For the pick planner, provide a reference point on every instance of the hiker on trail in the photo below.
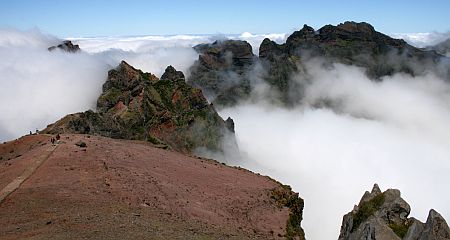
(52, 140)
(57, 137)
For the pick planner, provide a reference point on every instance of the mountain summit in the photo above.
(137, 105)
(384, 215)
(227, 70)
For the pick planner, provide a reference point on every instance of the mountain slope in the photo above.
(122, 189)
(227, 79)
(138, 105)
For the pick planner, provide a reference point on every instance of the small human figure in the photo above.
(31, 133)
(52, 141)
(58, 137)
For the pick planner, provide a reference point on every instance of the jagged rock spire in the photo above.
(384, 215)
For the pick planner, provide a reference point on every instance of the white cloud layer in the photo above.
(394, 133)
(39, 87)
(422, 39)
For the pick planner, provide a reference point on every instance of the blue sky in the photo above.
(140, 17)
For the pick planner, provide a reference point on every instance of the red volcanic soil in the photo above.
(121, 189)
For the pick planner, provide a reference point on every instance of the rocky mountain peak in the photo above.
(355, 27)
(138, 105)
(269, 48)
(223, 68)
(172, 74)
(384, 215)
(219, 62)
(66, 46)
(123, 76)
(225, 53)
(303, 35)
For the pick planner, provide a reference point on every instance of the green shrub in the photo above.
(400, 229)
(366, 210)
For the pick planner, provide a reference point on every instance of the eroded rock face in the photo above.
(138, 105)
(222, 71)
(66, 46)
(384, 215)
(225, 69)
(358, 44)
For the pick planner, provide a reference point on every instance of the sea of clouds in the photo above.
(394, 133)
(424, 39)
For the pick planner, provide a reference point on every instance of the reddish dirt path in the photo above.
(118, 189)
(29, 170)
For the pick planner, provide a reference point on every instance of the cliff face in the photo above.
(355, 44)
(349, 43)
(222, 71)
(138, 105)
(384, 215)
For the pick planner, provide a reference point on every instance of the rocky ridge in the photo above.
(359, 44)
(137, 105)
(384, 215)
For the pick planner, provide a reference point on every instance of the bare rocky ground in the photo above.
(122, 189)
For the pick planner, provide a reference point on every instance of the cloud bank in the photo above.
(394, 133)
(422, 39)
(38, 87)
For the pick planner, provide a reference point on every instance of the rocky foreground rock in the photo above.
(139, 106)
(384, 215)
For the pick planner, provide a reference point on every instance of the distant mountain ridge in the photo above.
(350, 43)
(442, 47)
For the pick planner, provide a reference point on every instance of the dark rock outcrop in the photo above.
(384, 215)
(172, 74)
(221, 71)
(358, 44)
(66, 46)
(138, 105)
(225, 69)
(229, 123)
